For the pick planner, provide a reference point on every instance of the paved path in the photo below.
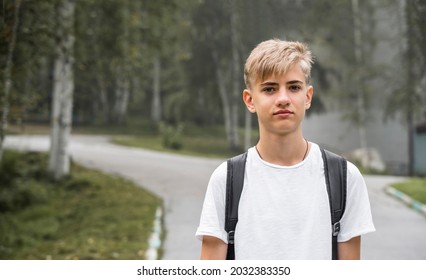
(181, 181)
(400, 231)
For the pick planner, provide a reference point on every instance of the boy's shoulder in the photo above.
(219, 174)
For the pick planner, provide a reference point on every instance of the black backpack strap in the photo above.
(234, 188)
(335, 170)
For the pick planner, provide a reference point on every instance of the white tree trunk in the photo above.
(224, 97)
(63, 88)
(103, 99)
(236, 78)
(100, 78)
(156, 112)
(122, 87)
(122, 93)
(8, 77)
(358, 58)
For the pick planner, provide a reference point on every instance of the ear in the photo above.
(309, 95)
(248, 100)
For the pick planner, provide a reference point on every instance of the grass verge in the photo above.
(88, 215)
(414, 188)
(204, 141)
(193, 146)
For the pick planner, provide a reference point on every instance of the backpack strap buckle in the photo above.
(231, 235)
(336, 229)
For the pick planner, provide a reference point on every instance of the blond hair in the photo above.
(276, 57)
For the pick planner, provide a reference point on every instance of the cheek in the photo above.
(261, 105)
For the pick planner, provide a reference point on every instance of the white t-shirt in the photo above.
(284, 211)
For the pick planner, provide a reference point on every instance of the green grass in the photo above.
(194, 146)
(88, 215)
(415, 188)
(203, 141)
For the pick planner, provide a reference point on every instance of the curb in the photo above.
(414, 204)
(155, 238)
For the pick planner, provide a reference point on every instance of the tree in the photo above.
(408, 99)
(217, 33)
(123, 65)
(156, 107)
(63, 90)
(167, 42)
(345, 61)
(7, 79)
(360, 112)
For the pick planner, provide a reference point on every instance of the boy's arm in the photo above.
(213, 248)
(350, 250)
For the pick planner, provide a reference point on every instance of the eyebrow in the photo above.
(292, 82)
(268, 84)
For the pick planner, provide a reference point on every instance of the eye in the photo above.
(268, 89)
(295, 88)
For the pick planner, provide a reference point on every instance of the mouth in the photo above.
(283, 113)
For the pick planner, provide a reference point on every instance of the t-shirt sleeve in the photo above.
(212, 221)
(357, 219)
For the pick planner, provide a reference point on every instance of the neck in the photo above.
(283, 150)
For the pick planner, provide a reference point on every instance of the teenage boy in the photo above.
(284, 210)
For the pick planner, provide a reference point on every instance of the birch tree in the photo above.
(236, 74)
(156, 107)
(99, 65)
(217, 24)
(7, 79)
(63, 89)
(409, 99)
(122, 94)
(124, 63)
(360, 99)
(349, 42)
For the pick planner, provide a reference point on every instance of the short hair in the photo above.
(276, 57)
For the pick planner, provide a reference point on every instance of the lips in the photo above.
(283, 113)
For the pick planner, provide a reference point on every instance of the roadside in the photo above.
(87, 215)
(181, 182)
(407, 199)
(400, 231)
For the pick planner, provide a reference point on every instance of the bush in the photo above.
(19, 187)
(21, 195)
(171, 136)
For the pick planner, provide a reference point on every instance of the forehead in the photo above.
(294, 73)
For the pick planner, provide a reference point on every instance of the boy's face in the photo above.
(280, 101)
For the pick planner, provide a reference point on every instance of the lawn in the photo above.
(88, 215)
(205, 141)
(415, 188)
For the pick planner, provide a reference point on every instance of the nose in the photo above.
(283, 97)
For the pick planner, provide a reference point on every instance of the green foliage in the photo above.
(33, 50)
(116, 41)
(18, 181)
(204, 141)
(88, 215)
(408, 95)
(171, 136)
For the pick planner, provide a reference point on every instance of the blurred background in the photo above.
(167, 75)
